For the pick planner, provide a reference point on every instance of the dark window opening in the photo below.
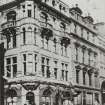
(29, 13)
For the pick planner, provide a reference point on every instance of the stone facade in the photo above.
(51, 54)
(101, 38)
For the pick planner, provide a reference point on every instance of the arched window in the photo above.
(30, 98)
(24, 36)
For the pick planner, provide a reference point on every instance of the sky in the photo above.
(95, 8)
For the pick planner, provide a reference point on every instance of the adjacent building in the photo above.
(51, 54)
(101, 38)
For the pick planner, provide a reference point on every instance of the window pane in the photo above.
(8, 61)
(24, 57)
(14, 59)
(14, 70)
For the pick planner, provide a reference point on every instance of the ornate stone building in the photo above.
(51, 53)
(101, 41)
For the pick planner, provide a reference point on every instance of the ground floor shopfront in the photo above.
(87, 96)
(44, 92)
(38, 93)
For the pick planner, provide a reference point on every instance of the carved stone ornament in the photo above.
(30, 86)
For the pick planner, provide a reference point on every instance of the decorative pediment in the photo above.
(30, 86)
(9, 31)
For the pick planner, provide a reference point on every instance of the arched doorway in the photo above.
(103, 92)
(11, 97)
(30, 98)
(47, 98)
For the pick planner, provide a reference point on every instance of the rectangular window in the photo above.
(8, 67)
(29, 13)
(66, 75)
(75, 28)
(8, 41)
(55, 69)
(24, 63)
(90, 79)
(84, 79)
(83, 53)
(89, 58)
(24, 36)
(11, 67)
(77, 76)
(87, 35)
(81, 32)
(14, 41)
(14, 66)
(35, 62)
(76, 53)
(45, 67)
(64, 72)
